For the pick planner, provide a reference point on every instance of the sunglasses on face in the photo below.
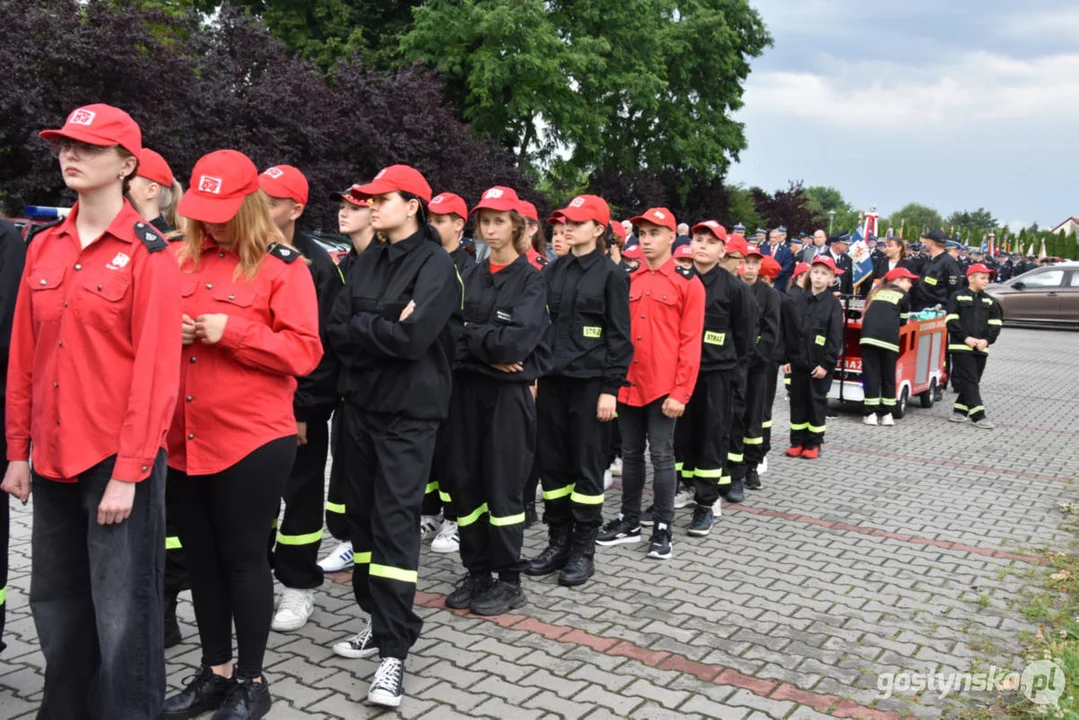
(76, 147)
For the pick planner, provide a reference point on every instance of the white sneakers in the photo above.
(869, 419)
(430, 525)
(294, 610)
(340, 558)
(357, 646)
(762, 466)
(616, 467)
(448, 540)
(887, 420)
(684, 497)
(608, 479)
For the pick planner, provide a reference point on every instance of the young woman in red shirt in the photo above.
(250, 328)
(92, 381)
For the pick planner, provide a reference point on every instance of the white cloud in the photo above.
(975, 88)
(1049, 25)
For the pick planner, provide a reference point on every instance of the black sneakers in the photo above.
(753, 479)
(498, 599)
(618, 532)
(661, 542)
(247, 700)
(388, 687)
(467, 589)
(646, 516)
(203, 693)
(703, 517)
(735, 492)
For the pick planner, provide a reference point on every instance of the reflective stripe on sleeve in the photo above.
(960, 348)
(994, 321)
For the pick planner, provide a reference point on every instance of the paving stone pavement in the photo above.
(889, 554)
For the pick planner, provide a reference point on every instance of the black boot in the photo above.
(247, 700)
(205, 692)
(581, 564)
(555, 555)
(173, 637)
(531, 518)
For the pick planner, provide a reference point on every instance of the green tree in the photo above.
(742, 209)
(916, 219)
(597, 85)
(824, 200)
(980, 219)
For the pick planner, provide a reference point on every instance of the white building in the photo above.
(1071, 225)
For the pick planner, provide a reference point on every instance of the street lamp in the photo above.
(831, 217)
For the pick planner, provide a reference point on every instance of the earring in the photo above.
(411, 216)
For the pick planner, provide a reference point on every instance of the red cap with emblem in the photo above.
(587, 207)
(978, 268)
(633, 252)
(899, 272)
(154, 168)
(752, 250)
(449, 204)
(683, 252)
(736, 245)
(828, 263)
(102, 125)
(557, 218)
(284, 181)
(660, 216)
(711, 226)
(499, 199)
(219, 184)
(395, 178)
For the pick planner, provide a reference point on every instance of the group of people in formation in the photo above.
(173, 387)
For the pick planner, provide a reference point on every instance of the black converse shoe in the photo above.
(388, 687)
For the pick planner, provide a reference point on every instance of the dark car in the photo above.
(1045, 296)
(336, 245)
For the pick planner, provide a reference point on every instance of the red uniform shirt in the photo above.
(236, 395)
(94, 348)
(666, 309)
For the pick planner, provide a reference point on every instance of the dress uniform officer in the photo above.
(294, 556)
(93, 372)
(588, 297)
(390, 328)
(759, 370)
(491, 434)
(813, 334)
(250, 327)
(974, 322)
(885, 312)
(837, 250)
(12, 262)
(667, 319)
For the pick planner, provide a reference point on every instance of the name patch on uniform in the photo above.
(930, 280)
(503, 316)
(593, 332)
(820, 340)
(714, 338)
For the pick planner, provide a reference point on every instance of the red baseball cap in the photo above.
(557, 218)
(713, 227)
(771, 268)
(736, 244)
(528, 210)
(899, 272)
(395, 178)
(618, 230)
(449, 204)
(284, 181)
(219, 184)
(154, 168)
(660, 216)
(828, 263)
(684, 251)
(978, 268)
(633, 252)
(348, 197)
(587, 207)
(798, 269)
(499, 199)
(102, 125)
(751, 249)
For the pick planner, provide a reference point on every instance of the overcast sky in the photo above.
(955, 104)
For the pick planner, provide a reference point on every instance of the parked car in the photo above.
(1045, 296)
(333, 243)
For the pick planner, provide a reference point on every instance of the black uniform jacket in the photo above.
(886, 313)
(940, 278)
(506, 322)
(391, 365)
(730, 321)
(588, 298)
(762, 352)
(975, 315)
(813, 330)
(316, 394)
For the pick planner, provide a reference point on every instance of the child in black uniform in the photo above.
(886, 311)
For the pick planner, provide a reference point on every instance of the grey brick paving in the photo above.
(825, 610)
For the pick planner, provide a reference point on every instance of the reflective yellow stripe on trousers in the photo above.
(586, 499)
(558, 492)
(393, 573)
(472, 517)
(173, 543)
(508, 520)
(3, 595)
(306, 539)
(338, 508)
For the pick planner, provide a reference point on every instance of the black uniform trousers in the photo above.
(5, 532)
(436, 497)
(336, 522)
(734, 466)
(878, 379)
(490, 449)
(387, 460)
(809, 408)
(702, 433)
(295, 556)
(177, 574)
(756, 397)
(968, 368)
(769, 401)
(571, 448)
